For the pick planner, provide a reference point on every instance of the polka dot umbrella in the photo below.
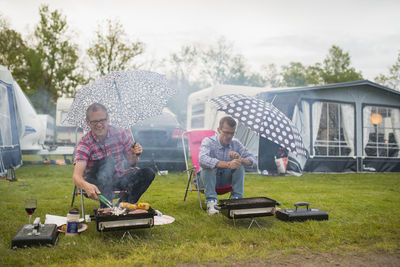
(129, 96)
(262, 118)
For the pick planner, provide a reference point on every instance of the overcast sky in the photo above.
(263, 31)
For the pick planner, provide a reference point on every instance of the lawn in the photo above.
(363, 208)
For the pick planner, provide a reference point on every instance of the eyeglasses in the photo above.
(95, 122)
(228, 133)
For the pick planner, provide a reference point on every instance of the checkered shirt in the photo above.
(116, 145)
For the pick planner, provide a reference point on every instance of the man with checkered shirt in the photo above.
(101, 157)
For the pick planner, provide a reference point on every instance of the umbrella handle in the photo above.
(134, 142)
(133, 138)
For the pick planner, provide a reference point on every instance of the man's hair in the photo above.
(94, 108)
(229, 120)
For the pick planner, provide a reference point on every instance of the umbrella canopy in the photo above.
(262, 118)
(129, 96)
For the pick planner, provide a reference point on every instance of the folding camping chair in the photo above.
(194, 138)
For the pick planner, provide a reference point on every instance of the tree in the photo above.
(392, 80)
(183, 74)
(195, 67)
(239, 75)
(336, 67)
(112, 50)
(294, 74)
(216, 62)
(271, 76)
(13, 53)
(58, 60)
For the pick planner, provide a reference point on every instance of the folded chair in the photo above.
(194, 138)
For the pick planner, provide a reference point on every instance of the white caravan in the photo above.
(49, 124)
(30, 126)
(66, 134)
(202, 114)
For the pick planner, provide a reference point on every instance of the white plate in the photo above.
(82, 227)
(164, 219)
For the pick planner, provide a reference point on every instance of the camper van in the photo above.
(10, 150)
(48, 123)
(30, 127)
(202, 114)
(66, 134)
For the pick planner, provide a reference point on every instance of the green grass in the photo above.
(363, 208)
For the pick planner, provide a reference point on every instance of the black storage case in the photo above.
(124, 222)
(48, 236)
(248, 207)
(301, 214)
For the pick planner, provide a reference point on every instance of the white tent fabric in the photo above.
(367, 126)
(348, 125)
(396, 126)
(316, 118)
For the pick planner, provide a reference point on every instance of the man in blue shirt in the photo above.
(221, 160)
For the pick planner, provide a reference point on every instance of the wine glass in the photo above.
(30, 207)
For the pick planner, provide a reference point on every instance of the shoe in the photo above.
(211, 210)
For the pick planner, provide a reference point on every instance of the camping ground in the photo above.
(363, 228)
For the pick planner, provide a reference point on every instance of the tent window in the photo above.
(335, 136)
(381, 131)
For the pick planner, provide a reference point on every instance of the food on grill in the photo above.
(138, 211)
(112, 211)
(129, 206)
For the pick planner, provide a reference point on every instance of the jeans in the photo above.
(221, 177)
(135, 183)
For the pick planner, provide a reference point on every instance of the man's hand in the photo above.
(234, 164)
(234, 155)
(92, 191)
(136, 149)
(246, 162)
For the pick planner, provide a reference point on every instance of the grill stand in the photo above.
(126, 233)
(253, 220)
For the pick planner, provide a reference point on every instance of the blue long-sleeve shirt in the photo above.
(211, 151)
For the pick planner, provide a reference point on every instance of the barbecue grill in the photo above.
(248, 208)
(110, 222)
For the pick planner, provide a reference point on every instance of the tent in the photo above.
(10, 150)
(346, 127)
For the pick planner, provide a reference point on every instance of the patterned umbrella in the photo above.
(262, 118)
(129, 96)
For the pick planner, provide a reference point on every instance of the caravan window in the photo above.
(197, 120)
(63, 115)
(381, 131)
(334, 135)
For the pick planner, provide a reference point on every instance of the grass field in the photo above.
(363, 208)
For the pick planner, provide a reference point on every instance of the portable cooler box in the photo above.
(46, 235)
(301, 214)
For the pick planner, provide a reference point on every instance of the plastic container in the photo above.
(72, 222)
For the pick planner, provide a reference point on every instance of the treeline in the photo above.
(49, 64)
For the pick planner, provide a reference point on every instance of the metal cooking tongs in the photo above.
(103, 199)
